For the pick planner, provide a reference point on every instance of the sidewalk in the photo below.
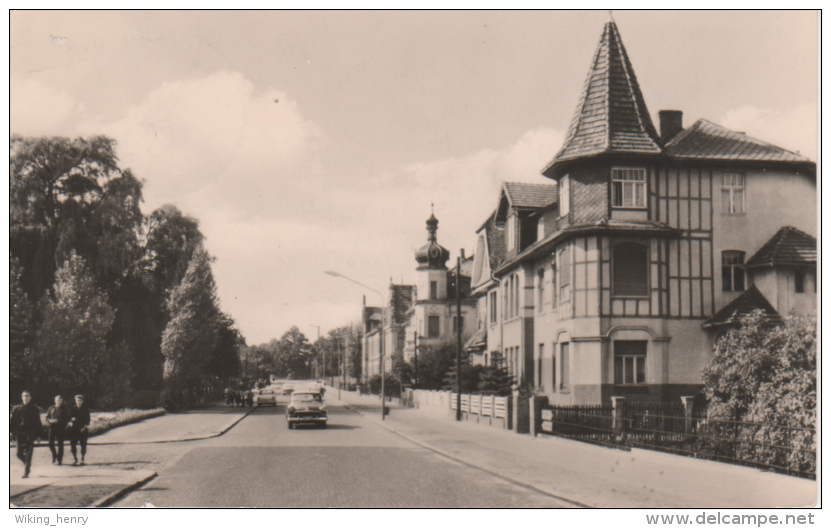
(591, 475)
(99, 485)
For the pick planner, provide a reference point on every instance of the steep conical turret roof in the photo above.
(612, 116)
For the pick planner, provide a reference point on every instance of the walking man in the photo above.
(57, 418)
(78, 428)
(27, 427)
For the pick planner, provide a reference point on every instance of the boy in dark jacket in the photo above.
(79, 428)
(57, 417)
(26, 425)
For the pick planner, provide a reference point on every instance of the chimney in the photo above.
(671, 124)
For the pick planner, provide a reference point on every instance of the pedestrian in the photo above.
(78, 428)
(57, 418)
(249, 398)
(26, 425)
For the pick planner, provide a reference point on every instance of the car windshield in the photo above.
(266, 392)
(306, 397)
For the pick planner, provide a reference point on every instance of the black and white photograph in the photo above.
(481, 259)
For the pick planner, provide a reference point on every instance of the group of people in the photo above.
(62, 421)
(239, 397)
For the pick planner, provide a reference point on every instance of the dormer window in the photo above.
(629, 188)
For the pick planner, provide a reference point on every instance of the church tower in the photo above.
(431, 284)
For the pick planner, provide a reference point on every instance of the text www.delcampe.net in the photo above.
(731, 518)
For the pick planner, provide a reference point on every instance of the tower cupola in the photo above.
(432, 255)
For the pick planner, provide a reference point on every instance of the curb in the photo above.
(112, 497)
(472, 465)
(27, 491)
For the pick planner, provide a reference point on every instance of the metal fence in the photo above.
(588, 423)
(685, 430)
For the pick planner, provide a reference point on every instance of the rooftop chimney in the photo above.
(671, 124)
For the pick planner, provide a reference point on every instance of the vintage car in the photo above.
(287, 389)
(265, 397)
(306, 408)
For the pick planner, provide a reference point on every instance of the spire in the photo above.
(612, 116)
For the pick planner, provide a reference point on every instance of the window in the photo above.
(493, 307)
(539, 365)
(553, 365)
(510, 232)
(434, 290)
(554, 285)
(732, 193)
(565, 381)
(565, 195)
(401, 340)
(456, 328)
(732, 271)
(799, 281)
(541, 287)
(629, 188)
(516, 295)
(433, 322)
(565, 274)
(630, 362)
(630, 270)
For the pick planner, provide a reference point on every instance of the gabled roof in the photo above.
(705, 139)
(788, 247)
(612, 116)
(741, 306)
(530, 194)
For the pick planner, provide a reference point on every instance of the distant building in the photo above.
(618, 280)
(420, 314)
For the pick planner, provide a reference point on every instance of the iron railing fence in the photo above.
(587, 423)
(672, 428)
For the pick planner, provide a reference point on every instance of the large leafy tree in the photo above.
(766, 375)
(69, 195)
(192, 332)
(294, 354)
(21, 328)
(70, 350)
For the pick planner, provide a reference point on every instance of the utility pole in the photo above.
(459, 334)
(416, 359)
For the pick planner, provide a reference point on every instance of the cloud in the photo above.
(35, 109)
(219, 141)
(794, 129)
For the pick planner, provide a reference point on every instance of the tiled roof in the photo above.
(705, 139)
(789, 246)
(401, 297)
(741, 306)
(531, 194)
(612, 116)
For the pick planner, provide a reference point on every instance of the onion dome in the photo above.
(432, 255)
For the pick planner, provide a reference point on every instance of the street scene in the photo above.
(413, 259)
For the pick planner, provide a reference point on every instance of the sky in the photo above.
(313, 141)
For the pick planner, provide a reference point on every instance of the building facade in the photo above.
(617, 285)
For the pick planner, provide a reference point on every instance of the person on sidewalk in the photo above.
(57, 418)
(78, 428)
(26, 425)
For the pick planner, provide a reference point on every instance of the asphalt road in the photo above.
(351, 463)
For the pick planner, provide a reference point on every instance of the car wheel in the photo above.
(291, 425)
(323, 425)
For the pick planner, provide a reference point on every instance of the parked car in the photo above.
(265, 397)
(306, 407)
(288, 389)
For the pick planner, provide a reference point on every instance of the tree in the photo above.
(294, 355)
(434, 360)
(70, 196)
(21, 329)
(766, 374)
(224, 361)
(70, 349)
(191, 334)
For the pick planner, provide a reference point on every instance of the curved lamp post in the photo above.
(380, 335)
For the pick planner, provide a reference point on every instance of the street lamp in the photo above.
(380, 335)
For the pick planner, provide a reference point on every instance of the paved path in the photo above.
(593, 475)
